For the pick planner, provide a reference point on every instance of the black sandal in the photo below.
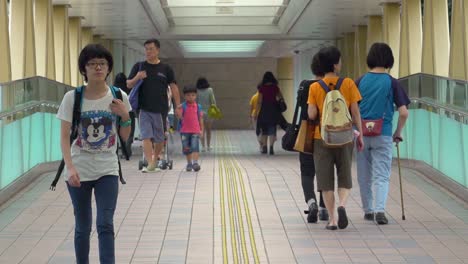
(342, 218)
(331, 227)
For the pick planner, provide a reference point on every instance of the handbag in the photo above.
(289, 138)
(282, 105)
(305, 138)
(373, 127)
(214, 112)
(134, 93)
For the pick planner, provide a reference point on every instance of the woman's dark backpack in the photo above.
(74, 132)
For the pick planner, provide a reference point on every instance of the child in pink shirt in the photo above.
(191, 128)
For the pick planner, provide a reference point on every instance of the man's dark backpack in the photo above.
(74, 132)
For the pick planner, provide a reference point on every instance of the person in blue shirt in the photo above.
(380, 92)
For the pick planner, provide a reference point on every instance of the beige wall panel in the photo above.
(22, 35)
(234, 81)
(459, 40)
(436, 41)
(347, 59)
(75, 49)
(43, 27)
(391, 32)
(62, 44)
(360, 50)
(5, 61)
(285, 76)
(374, 30)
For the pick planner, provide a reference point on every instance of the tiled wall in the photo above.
(233, 80)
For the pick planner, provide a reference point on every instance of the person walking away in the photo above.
(91, 161)
(153, 103)
(306, 160)
(380, 92)
(325, 157)
(191, 128)
(206, 98)
(268, 115)
(253, 118)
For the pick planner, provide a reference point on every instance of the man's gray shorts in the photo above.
(151, 126)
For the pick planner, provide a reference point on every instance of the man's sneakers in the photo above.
(189, 167)
(313, 212)
(150, 169)
(369, 216)
(381, 219)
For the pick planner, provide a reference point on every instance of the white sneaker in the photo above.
(150, 169)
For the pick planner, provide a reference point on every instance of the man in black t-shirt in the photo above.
(153, 104)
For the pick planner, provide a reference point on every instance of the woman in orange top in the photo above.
(326, 158)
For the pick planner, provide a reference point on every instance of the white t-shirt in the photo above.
(94, 150)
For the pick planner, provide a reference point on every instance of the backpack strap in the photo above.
(77, 103)
(199, 110)
(327, 89)
(324, 86)
(117, 93)
(77, 106)
(339, 83)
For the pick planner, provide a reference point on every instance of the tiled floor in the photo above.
(240, 208)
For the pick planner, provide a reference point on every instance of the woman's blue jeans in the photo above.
(374, 167)
(106, 190)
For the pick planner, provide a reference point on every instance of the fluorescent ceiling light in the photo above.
(203, 46)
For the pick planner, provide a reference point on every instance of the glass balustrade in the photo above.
(437, 128)
(29, 130)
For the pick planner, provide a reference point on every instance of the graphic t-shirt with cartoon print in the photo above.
(94, 150)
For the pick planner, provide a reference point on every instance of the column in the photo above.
(5, 62)
(436, 41)
(107, 43)
(62, 44)
(459, 40)
(348, 58)
(117, 54)
(285, 75)
(360, 51)
(44, 33)
(391, 32)
(74, 24)
(411, 38)
(22, 37)
(86, 36)
(374, 30)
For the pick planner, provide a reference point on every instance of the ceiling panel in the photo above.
(282, 25)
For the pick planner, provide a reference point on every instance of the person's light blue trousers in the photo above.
(374, 168)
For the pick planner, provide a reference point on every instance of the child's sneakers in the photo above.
(196, 167)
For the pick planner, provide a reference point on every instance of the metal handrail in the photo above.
(452, 109)
(433, 76)
(28, 106)
(31, 78)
